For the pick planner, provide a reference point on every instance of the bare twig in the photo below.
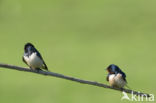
(47, 73)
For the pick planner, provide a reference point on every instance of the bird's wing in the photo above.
(44, 65)
(24, 60)
(124, 76)
(107, 78)
(38, 54)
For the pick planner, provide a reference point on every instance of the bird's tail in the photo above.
(127, 86)
(48, 70)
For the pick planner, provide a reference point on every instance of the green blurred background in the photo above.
(79, 38)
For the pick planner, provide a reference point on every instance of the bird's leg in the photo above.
(38, 69)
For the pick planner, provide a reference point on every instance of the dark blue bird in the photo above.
(116, 76)
(33, 58)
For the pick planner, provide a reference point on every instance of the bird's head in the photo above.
(29, 47)
(113, 69)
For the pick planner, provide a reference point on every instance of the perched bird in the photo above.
(116, 77)
(33, 58)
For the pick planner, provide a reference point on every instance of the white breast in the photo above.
(112, 80)
(117, 80)
(34, 61)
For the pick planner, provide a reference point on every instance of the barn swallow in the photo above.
(116, 77)
(33, 58)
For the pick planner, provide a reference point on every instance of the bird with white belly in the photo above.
(116, 77)
(33, 58)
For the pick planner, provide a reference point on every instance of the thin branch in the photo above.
(47, 73)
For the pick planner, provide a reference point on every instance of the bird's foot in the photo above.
(38, 69)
